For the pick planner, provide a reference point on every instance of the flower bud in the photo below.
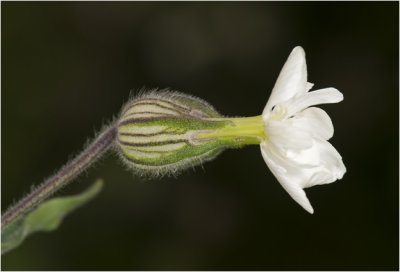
(157, 132)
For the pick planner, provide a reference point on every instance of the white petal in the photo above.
(291, 81)
(298, 132)
(331, 165)
(285, 135)
(309, 86)
(298, 169)
(318, 165)
(322, 96)
(314, 120)
(293, 188)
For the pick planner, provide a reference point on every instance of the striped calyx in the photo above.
(163, 132)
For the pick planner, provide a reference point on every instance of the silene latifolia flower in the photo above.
(163, 132)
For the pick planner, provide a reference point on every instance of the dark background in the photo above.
(67, 68)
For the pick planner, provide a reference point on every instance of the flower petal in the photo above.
(331, 165)
(298, 132)
(293, 188)
(285, 135)
(314, 120)
(298, 169)
(291, 81)
(327, 162)
(322, 96)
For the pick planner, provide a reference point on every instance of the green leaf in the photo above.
(46, 217)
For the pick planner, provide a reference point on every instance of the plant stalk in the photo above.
(103, 142)
(249, 129)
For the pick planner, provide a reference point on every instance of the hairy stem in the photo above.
(66, 174)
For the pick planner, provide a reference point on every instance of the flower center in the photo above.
(278, 113)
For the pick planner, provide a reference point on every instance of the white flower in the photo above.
(296, 149)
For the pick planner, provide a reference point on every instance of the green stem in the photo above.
(67, 173)
(249, 130)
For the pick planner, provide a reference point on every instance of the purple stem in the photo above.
(66, 174)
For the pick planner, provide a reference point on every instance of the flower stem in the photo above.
(67, 173)
(249, 130)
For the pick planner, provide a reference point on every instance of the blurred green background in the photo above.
(67, 68)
